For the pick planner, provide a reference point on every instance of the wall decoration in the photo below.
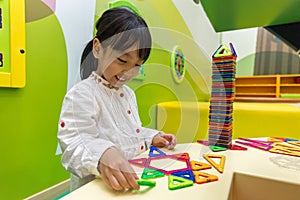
(142, 75)
(12, 43)
(177, 64)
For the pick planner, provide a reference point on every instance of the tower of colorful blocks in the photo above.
(222, 96)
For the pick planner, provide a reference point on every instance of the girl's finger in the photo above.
(104, 178)
(172, 141)
(109, 175)
(163, 142)
(131, 178)
(115, 183)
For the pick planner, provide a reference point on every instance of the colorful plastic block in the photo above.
(204, 142)
(232, 49)
(182, 155)
(188, 174)
(175, 182)
(201, 177)
(151, 173)
(217, 148)
(220, 166)
(140, 162)
(155, 152)
(222, 51)
(165, 171)
(148, 182)
(195, 165)
(237, 147)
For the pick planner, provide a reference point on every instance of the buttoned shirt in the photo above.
(95, 117)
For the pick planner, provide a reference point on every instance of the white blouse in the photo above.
(94, 117)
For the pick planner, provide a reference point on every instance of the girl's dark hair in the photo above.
(121, 29)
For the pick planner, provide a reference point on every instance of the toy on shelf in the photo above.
(222, 95)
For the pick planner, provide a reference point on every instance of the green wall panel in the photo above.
(29, 116)
(245, 66)
(239, 14)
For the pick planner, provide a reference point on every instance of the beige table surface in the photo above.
(253, 162)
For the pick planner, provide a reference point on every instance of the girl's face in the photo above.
(117, 68)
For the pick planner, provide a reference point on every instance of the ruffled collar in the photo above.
(101, 81)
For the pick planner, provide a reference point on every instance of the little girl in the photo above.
(99, 128)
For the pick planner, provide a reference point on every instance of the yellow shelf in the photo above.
(12, 34)
(267, 85)
(256, 95)
(256, 85)
(290, 85)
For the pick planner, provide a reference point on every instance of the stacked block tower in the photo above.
(222, 96)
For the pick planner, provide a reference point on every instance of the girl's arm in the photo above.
(78, 135)
(164, 140)
(84, 151)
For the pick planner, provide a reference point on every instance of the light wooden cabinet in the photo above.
(268, 86)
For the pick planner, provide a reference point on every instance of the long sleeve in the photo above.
(147, 133)
(94, 118)
(78, 134)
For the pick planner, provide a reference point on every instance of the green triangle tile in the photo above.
(149, 182)
(222, 51)
(175, 182)
(217, 148)
(151, 173)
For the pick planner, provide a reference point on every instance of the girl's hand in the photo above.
(164, 140)
(116, 171)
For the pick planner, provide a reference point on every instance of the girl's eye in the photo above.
(121, 60)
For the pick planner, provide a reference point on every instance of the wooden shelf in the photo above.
(267, 86)
(257, 85)
(289, 85)
(267, 100)
(257, 94)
